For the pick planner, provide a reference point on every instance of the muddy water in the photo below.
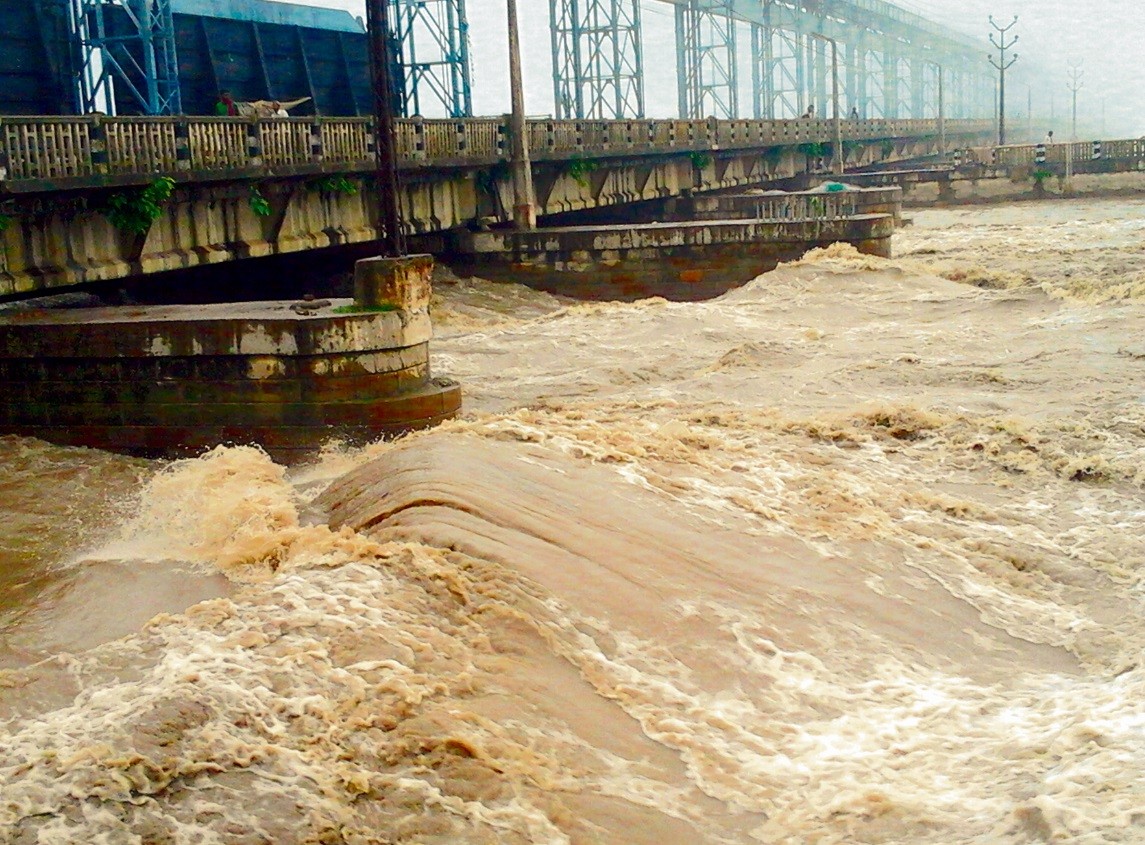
(853, 554)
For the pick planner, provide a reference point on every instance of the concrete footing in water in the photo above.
(728, 241)
(174, 380)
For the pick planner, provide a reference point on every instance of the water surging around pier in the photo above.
(852, 554)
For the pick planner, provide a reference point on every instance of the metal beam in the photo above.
(433, 43)
(598, 60)
(128, 55)
(706, 66)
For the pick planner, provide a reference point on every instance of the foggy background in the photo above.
(1103, 35)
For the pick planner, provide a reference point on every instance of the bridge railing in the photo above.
(1017, 155)
(67, 150)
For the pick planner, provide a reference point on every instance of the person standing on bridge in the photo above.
(810, 113)
(854, 112)
(1049, 137)
(226, 106)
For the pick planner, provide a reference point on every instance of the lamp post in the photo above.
(837, 120)
(524, 206)
(941, 113)
(1002, 66)
(1075, 84)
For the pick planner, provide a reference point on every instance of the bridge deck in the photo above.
(41, 154)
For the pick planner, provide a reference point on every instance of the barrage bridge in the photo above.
(247, 188)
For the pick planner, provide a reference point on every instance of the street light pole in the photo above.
(1074, 85)
(524, 206)
(837, 121)
(1002, 66)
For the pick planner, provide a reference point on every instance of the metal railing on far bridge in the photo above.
(57, 153)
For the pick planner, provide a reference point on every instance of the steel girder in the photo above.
(433, 38)
(706, 65)
(789, 68)
(133, 64)
(777, 68)
(598, 61)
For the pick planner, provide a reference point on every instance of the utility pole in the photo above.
(837, 120)
(1002, 65)
(524, 207)
(1074, 85)
(386, 175)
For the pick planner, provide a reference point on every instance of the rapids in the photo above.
(853, 554)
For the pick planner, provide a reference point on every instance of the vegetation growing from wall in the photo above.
(258, 203)
(813, 149)
(335, 185)
(578, 169)
(133, 212)
(700, 159)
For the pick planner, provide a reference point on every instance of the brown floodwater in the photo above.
(853, 554)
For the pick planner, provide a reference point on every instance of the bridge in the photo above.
(246, 188)
(166, 57)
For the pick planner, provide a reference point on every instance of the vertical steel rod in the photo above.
(386, 175)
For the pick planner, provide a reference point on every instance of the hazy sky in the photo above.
(1105, 36)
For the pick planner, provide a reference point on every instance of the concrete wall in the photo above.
(56, 241)
(678, 261)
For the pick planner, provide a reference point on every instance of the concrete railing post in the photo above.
(182, 145)
(97, 135)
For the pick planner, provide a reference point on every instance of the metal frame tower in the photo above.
(434, 49)
(776, 66)
(598, 60)
(706, 59)
(139, 66)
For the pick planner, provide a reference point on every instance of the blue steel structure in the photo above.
(167, 56)
(433, 38)
(37, 59)
(598, 63)
(129, 58)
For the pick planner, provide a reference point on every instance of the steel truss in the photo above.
(888, 59)
(598, 59)
(133, 67)
(433, 40)
(776, 70)
(707, 71)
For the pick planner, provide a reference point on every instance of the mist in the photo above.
(1102, 36)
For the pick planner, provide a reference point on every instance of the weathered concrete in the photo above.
(678, 261)
(169, 380)
(52, 239)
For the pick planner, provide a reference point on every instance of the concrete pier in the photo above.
(175, 380)
(683, 261)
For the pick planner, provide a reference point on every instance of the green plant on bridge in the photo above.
(1041, 175)
(578, 169)
(335, 185)
(813, 149)
(700, 159)
(134, 211)
(772, 155)
(258, 203)
(5, 223)
(887, 148)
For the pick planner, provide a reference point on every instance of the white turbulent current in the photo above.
(853, 554)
